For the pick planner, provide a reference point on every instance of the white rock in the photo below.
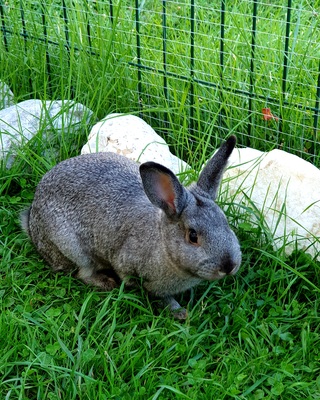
(134, 138)
(286, 191)
(6, 96)
(20, 122)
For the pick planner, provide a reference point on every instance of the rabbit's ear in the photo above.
(211, 175)
(163, 188)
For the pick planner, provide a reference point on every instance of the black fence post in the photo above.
(138, 48)
(221, 60)
(315, 147)
(25, 39)
(164, 59)
(252, 59)
(45, 34)
(285, 64)
(192, 48)
(3, 27)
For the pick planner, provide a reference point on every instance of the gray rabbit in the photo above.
(107, 219)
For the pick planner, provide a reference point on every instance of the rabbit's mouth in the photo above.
(220, 274)
(212, 275)
(217, 274)
(210, 269)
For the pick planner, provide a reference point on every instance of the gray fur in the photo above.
(97, 216)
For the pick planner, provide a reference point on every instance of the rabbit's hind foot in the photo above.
(102, 280)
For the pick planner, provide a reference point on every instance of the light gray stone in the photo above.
(20, 122)
(134, 138)
(285, 190)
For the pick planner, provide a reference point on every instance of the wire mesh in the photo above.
(249, 67)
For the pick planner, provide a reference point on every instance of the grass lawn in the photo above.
(252, 336)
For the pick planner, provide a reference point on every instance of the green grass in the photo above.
(254, 336)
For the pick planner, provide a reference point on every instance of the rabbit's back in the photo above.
(92, 176)
(84, 208)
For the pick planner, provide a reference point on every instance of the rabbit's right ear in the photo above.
(163, 188)
(211, 175)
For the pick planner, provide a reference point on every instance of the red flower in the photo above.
(267, 115)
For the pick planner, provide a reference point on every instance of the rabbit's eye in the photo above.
(193, 236)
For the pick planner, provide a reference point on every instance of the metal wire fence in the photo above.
(251, 67)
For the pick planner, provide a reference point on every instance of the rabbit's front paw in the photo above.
(177, 311)
(180, 314)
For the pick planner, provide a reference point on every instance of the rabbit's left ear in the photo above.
(211, 175)
(163, 188)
